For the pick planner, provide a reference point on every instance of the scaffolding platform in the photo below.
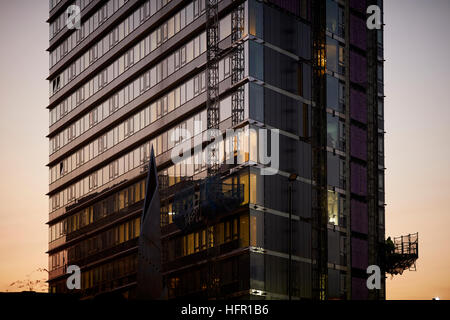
(401, 254)
(206, 199)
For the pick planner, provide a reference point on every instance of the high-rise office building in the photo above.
(289, 204)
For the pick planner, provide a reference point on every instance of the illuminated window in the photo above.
(137, 227)
(235, 229)
(244, 231)
(219, 234)
(333, 208)
(190, 244)
(253, 148)
(196, 242)
(121, 233)
(253, 230)
(227, 231)
(244, 181)
(121, 200)
(203, 240)
(127, 233)
(253, 188)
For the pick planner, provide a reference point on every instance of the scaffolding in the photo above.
(401, 254)
(213, 119)
(237, 64)
(212, 79)
(319, 157)
(206, 199)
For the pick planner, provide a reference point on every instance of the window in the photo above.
(129, 58)
(332, 131)
(333, 93)
(79, 95)
(335, 18)
(336, 208)
(129, 127)
(335, 170)
(72, 132)
(257, 52)
(145, 11)
(103, 14)
(93, 181)
(341, 96)
(102, 144)
(189, 14)
(380, 144)
(332, 16)
(93, 54)
(332, 207)
(171, 101)
(380, 109)
(335, 132)
(225, 27)
(113, 169)
(113, 103)
(61, 168)
(183, 55)
(103, 79)
(381, 181)
(341, 22)
(226, 62)
(341, 67)
(56, 83)
(332, 55)
(80, 157)
(93, 118)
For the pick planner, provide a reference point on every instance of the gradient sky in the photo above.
(417, 111)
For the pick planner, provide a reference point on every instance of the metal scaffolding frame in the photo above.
(319, 242)
(185, 201)
(375, 239)
(212, 80)
(237, 64)
(401, 254)
(213, 55)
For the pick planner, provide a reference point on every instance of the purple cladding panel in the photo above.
(358, 69)
(359, 289)
(359, 179)
(358, 32)
(359, 216)
(358, 106)
(359, 5)
(360, 254)
(358, 142)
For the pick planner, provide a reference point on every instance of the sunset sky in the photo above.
(417, 111)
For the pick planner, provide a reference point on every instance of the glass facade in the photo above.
(227, 235)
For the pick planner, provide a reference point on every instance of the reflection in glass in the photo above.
(332, 16)
(335, 94)
(332, 55)
(332, 131)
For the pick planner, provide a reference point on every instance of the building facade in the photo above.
(301, 81)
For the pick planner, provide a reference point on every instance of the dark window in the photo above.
(332, 16)
(332, 55)
(335, 94)
(257, 60)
